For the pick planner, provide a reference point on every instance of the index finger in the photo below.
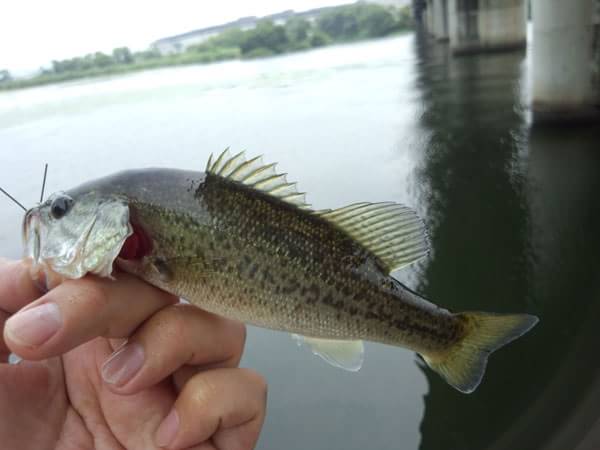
(16, 286)
(77, 311)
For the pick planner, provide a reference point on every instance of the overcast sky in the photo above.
(34, 32)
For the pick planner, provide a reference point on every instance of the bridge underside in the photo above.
(566, 46)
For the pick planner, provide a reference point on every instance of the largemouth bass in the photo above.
(238, 240)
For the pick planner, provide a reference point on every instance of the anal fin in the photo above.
(347, 355)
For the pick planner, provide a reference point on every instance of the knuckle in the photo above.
(165, 329)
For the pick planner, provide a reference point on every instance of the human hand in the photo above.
(175, 382)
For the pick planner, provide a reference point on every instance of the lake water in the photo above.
(513, 213)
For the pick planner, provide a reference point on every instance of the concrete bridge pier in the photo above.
(428, 14)
(487, 25)
(440, 19)
(437, 18)
(563, 61)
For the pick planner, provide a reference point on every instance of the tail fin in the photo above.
(463, 365)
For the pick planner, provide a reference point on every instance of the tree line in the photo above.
(339, 24)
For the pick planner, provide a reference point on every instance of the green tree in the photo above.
(5, 76)
(319, 39)
(266, 35)
(356, 21)
(102, 60)
(340, 23)
(122, 55)
(297, 29)
(404, 16)
(146, 55)
(231, 38)
(88, 62)
(375, 21)
(228, 38)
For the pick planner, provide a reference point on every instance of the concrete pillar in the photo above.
(440, 19)
(429, 17)
(562, 61)
(487, 25)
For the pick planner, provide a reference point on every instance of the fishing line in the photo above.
(44, 183)
(13, 199)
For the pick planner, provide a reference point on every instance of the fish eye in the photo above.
(60, 206)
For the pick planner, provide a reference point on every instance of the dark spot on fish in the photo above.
(339, 304)
(293, 252)
(219, 263)
(240, 267)
(267, 276)
(291, 287)
(356, 277)
(253, 271)
(349, 260)
(314, 293)
(328, 299)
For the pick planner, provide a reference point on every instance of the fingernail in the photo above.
(123, 364)
(167, 430)
(34, 326)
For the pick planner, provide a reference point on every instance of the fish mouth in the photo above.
(86, 241)
(39, 274)
(54, 262)
(31, 235)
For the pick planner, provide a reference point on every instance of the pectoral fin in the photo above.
(347, 355)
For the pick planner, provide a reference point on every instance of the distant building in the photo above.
(181, 42)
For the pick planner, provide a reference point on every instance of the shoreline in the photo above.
(182, 59)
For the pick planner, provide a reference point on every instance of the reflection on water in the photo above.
(475, 188)
(514, 228)
(510, 209)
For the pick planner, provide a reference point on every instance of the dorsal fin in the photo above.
(256, 175)
(392, 232)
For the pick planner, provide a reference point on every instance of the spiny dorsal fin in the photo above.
(256, 175)
(392, 232)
